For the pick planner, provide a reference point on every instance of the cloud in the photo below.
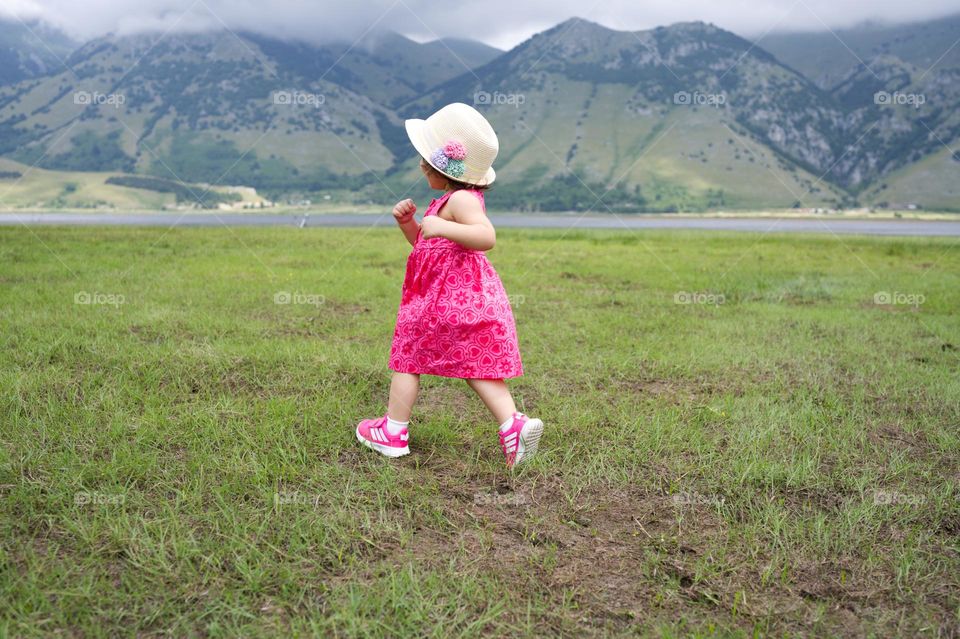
(503, 23)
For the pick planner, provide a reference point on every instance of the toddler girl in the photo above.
(454, 319)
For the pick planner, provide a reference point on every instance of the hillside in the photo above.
(932, 181)
(386, 67)
(279, 116)
(899, 87)
(814, 146)
(827, 58)
(685, 117)
(192, 106)
(609, 106)
(25, 187)
(30, 49)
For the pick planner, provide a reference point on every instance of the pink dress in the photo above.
(455, 319)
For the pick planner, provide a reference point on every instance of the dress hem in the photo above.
(435, 374)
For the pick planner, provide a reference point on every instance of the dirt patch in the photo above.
(154, 335)
(671, 391)
(611, 549)
(683, 390)
(615, 558)
(325, 316)
(344, 309)
(893, 434)
(147, 334)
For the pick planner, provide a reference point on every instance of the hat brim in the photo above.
(416, 131)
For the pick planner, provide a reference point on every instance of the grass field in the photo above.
(747, 435)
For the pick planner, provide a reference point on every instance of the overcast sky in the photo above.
(502, 23)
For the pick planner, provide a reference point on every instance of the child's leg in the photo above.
(496, 396)
(519, 436)
(404, 388)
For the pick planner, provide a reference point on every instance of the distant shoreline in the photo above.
(831, 226)
(366, 210)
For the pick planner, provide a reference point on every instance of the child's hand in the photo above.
(403, 211)
(432, 226)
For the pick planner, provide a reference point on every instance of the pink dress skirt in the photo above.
(455, 319)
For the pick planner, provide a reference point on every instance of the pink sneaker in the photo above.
(520, 441)
(373, 433)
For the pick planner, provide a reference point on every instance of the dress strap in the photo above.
(438, 203)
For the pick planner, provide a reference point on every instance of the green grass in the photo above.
(180, 461)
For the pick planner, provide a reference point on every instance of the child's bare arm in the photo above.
(403, 213)
(470, 226)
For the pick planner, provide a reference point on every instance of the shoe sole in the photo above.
(529, 440)
(388, 451)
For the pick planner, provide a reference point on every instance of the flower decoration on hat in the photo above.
(449, 158)
(454, 150)
(439, 160)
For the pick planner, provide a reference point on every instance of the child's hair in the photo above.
(455, 185)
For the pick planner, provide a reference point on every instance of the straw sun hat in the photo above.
(458, 142)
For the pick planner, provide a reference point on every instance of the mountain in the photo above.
(30, 49)
(191, 106)
(469, 53)
(677, 117)
(685, 117)
(267, 113)
(899, 87)
(386, 67)
(827, 58)
(276, 115)
(899, 112)
(619, 110)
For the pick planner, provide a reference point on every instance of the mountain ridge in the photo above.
(690, 115)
